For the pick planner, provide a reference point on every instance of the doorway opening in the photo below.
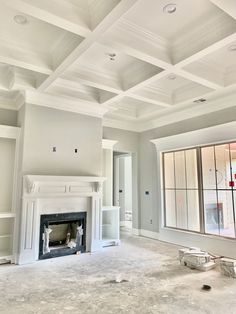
(123, 190)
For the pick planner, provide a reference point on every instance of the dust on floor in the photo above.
(139, 276)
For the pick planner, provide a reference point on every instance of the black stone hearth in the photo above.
(62, 234)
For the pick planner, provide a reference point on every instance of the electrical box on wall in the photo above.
(54, 150)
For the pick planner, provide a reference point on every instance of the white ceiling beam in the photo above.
(106, 23)
(138, 54)
(148, 100)
(204, 52)
(65, 103)
(129, 91)
(148, 81)
(100, 84)
(229, 6)
(23, 58)
(177, 69)
(46, 15)
(198, 79)
(113, 100)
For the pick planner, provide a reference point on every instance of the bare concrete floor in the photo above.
(83, 284)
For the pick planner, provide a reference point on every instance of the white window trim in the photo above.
(207, 136)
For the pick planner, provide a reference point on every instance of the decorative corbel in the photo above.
(30, 186)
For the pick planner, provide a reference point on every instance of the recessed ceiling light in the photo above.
(170, 8)
(171, 77)
(20, 19)
(232, 47)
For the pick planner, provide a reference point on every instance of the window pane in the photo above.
(169, 170)
(233, 161)
(180, 178)
(208, 168)
(226, 217)
(170, 208)
(193, 210)
(191, 168)
(223, 173)
(211, 212)
(181, 207)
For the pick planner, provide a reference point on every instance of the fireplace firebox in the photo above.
(62, 234)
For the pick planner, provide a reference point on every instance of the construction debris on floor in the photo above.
(195, 258)
(228, 267)
(206, 288)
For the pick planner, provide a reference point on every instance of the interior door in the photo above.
(116, 181)
(119, 185)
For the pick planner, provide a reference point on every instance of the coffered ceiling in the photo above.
(138, 64)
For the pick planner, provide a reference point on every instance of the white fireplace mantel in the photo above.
(58, 194)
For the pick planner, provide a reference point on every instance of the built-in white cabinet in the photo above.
(8, 152)
(110, 225)
(110, 213)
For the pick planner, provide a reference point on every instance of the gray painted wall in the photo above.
(8, 117)
(45, 128)
(128, 142)
(146, 206)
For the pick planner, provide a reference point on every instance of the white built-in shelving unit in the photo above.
(110, 213)
(9, 138)
(110, 225)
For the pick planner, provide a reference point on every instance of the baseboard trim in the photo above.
(136, 232)
(149, 234)
(145, 233)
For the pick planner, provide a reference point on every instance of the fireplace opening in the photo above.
(62, 234)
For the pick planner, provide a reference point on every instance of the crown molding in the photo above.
(108, 144)
(181, 113)
(188, 113)
(8, 104)
(144, 34)
(19, 100)
(13, 102)
(65, 104)
(120, 124)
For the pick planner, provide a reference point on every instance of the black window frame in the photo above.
(200, 188)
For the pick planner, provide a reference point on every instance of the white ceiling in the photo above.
(163, 62)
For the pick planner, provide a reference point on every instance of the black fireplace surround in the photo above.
(62, 234)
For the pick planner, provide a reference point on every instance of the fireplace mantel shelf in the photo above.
(44, 185)
(47, 178)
